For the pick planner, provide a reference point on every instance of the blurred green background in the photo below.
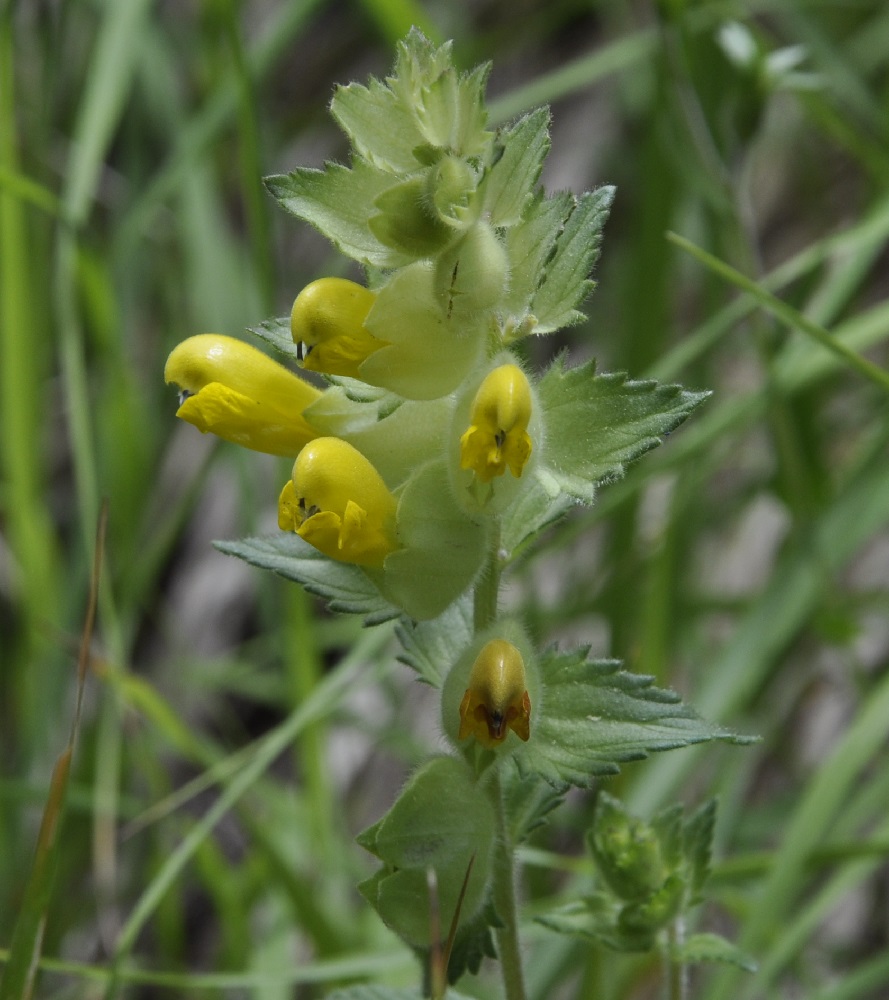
(235, 736)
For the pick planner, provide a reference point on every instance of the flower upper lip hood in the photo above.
(496, 699)
(327, 324)
(235, 391)
(498, 435)
(337, 501)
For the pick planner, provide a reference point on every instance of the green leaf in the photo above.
(697, 844)
(595, 916)
(345, 588)
(529, 246)
(538, 506)
(276, 333)
(432, 647)
(380, 125)
(443, 550)
(441, 820)
(594, 715)
(596, 424)
(509, 184)
(472, 944)
(335, 201)
(711, 948)
(567, 282)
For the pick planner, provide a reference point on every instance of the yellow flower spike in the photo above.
(497, 699)
(327, 322)
(240, 394)
(338, 502)
(498, 435)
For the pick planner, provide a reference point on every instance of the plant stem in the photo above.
(505, 899)
(676, 971)
(485, 613)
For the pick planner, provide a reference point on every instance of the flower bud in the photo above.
(337, 501)
(496, 699)
(328, 319)
(235, 391)
(493, 690)
(498, 436)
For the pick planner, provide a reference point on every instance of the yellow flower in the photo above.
(337, 501)
(497, 698)
(498, 435)
(327, 321)
(235, 391)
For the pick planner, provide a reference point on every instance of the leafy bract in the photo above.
(433, 646)
(276, 333)
(509, 184)
(596, 424)
(334, 200)
(566, 282)
(711, 948)
(595, 716)
(529, 246)
(345, 588)
(380, 125)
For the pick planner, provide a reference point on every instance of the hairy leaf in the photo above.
(711, 948)
(595, 716)
(509, 184)
(433, 646)
(567, 282)
(346, 588)
(276, 333)
(596, 424)
(335, 201)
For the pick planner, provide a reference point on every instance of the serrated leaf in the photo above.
(451, 111)
(335, 201)
(473, 943)
(596, 917)
(276, 333)
(596, 424)
(567, 282)
(537, 507)
(594, 716)
(381, 126)
(509, 184)
(529, 246)
(433, 646)
(346, 588)
(697, 844)
(711, 948)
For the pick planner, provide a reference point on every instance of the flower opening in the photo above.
(327, 324)
(233, 390)
(496, 700)
(337, 501)
(498, 436)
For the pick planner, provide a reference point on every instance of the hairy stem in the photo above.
(485, 613)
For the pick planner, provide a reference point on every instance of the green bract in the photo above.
(442, 823)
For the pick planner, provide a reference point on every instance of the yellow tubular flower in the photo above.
(327, 321)
(498, 435)
(497, 699)
(235, 391)
(338, 502)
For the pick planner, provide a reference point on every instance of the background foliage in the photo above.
(234, 739)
